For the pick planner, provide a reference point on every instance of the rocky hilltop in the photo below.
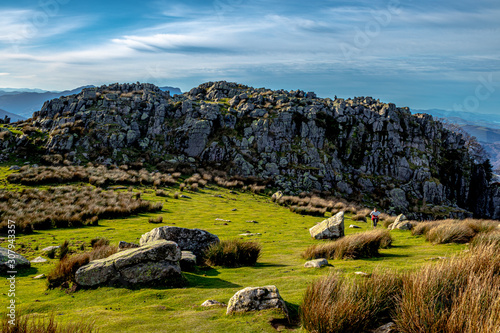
(359, 148)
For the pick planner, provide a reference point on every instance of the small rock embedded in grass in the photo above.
(41, 276)
(249, 234)
(211, 302)
(252, 221)
(317, 263)
(50, 248)
(387, 328)
(222, 220)
(185, 196)
(38, 260)
(362, 274)
(234, 209)
(353, 226)
(437, 258)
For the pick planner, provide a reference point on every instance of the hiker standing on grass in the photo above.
(374, 216)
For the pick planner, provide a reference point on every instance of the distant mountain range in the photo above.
(13, 117)
(21, 103)
(485, 127)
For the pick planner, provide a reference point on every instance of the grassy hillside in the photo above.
(284, 236)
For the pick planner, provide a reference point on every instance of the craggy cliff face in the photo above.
(360, 148)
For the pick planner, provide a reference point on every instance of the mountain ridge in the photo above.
(357, 148)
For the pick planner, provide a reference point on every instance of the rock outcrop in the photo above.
(330, 228)
(194, 240)
(154, 264)
(256, 299)
(347, 147)
(12, 261)
(400, 223)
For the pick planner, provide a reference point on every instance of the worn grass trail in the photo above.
(283, 235)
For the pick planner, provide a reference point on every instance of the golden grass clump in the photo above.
(67, 206)
(361, 245)
(232, 253)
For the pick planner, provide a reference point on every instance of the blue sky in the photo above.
(421, 54)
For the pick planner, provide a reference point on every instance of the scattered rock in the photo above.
(276, 196)
(222, 220)
(125, 245)
(185, 196)
(194, 240)
(362, 273)
(353, 226)
(8, 258)
(256, 299)
(316, 263)
(233, 192)
(15, 167)
(211, 302)
(234, 209)
(41, 276)
(38, 260)
(188, 261)
(154, 264)
(387, 328)
(50, 248)
(400, 223)
(330, 228)
(252, 221)
(249, 234)
(437, 258)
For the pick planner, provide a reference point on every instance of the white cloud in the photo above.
(23, 26)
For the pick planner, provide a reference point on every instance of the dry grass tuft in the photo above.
(336, 304)
(64, 273)
(361, 245)
(233, 253)
(68, 206)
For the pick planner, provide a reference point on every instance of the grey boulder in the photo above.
(330, 228)
(8, 258)
(154, 264)
(194, 240)
(256, 299)
(316, 263)
(401, 223)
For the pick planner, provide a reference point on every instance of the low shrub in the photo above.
(67, 206)
(161, 193)
(32, 324)
(457, 295)
(64, 273)
(63, 250)
(98, 242)
(156, 220)
(232, 253)
(337, 304)
(361, 245)
(490, 238)
(450, 233)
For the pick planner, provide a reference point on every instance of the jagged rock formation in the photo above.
(359, 148)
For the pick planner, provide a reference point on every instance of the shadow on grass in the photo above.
(22, 272)
(266, 264)
(293, 320)
(199, 281)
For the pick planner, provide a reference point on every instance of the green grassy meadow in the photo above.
(284, 236)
